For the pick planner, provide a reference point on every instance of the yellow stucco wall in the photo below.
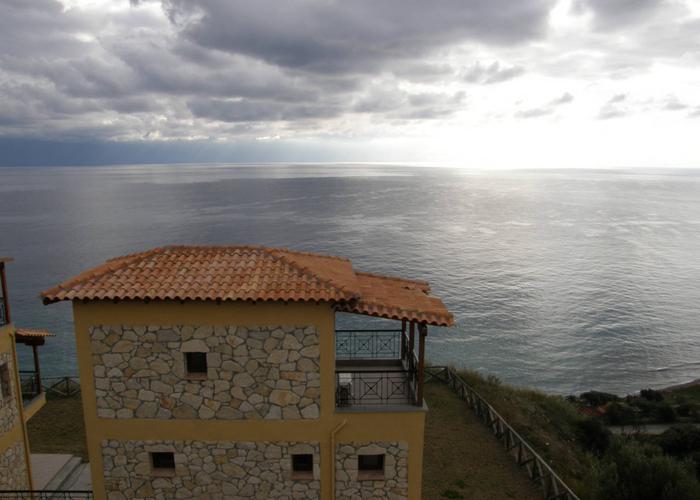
(18, 433)
(358, 427)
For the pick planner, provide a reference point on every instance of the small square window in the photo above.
(163, 463)
(196, 364)
(5, 384)
(370, 467)
(303, 466)
(303, 462)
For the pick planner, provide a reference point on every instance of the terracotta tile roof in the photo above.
(33, 332)
(251, 273)
(398, 298)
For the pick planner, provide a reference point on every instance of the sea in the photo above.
(562, 280)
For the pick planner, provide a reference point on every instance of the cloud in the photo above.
(617, 14)
(492, 73)
(672, 103)
(614, 107)
(546, 109)
(565, 98)
(361, 36)
(534, 112)
(234, 70)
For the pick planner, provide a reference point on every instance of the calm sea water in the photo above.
(566, 281)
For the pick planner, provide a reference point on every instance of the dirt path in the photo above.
(462, 459)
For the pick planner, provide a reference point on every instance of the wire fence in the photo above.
(538, 470)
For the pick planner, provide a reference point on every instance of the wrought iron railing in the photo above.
(3, 312)
(368, 344)
(30, 384)
(46, 494)
(370, 388)
(537, 468)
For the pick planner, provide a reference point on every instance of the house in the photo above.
(217, 372)
(21, 394)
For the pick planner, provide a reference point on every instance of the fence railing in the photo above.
(367, 344)
(61, 386)
(538, 470)
(3, 312)
(371, 388)
(30, 384)
(46, 494)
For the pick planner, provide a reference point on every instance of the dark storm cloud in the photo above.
(353, 37)
(222, 69)
(491, 73)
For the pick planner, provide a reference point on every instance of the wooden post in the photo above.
(5, 299)
(422, 331)
(37, 368)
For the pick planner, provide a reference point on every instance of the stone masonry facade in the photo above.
(13, 468)
(349, 485)
(208, 470)
(9, 413)
(252, 373)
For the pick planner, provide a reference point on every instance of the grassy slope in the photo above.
(462, 459)
(547, 422)
(58, 428)
(461, 456)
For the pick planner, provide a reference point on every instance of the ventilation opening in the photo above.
(196, 364)
(163, 463)
(303, 466)
(370, 467)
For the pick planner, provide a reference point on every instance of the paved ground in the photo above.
(462, 459)
(45, 466)
(642, 429)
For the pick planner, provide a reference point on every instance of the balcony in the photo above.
(33, 396)
(4, 319)
(377, 369)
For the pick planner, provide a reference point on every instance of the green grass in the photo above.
(59, 428)
(462, 459)
(547, 422)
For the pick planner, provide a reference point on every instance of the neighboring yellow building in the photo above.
(217, 372)
(21, 395)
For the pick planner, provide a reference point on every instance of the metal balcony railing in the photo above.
(30, 385)
(372, 388)
(367, 344)
(3, 312)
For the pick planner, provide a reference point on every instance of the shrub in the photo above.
(595, 398)
(664, 412)
(634, 471)
(651, 395)
(593, 435)
(620, 414)
(680, 439)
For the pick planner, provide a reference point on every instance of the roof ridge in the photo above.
(305, 271)
(308, 254)
(425, 284)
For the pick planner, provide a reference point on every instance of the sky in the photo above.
(472, 83)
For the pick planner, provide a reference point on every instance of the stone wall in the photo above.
(13, 468)
(253, 373)
(9, 413)
(208, 470)
(394, 485)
